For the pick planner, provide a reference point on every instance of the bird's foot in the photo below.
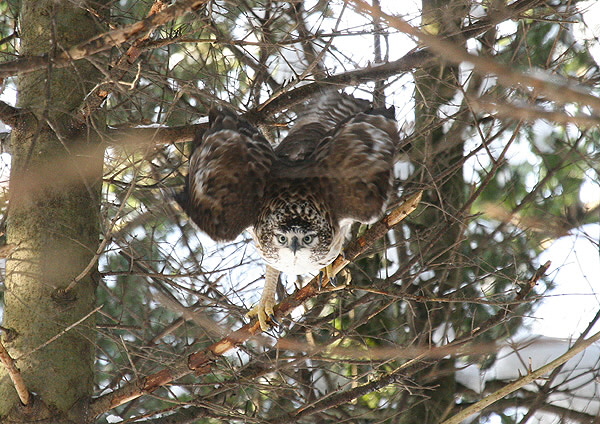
(346, 276)
(264, 312)
(328, 271)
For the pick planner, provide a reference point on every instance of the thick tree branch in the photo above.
(202, 362)
(102, 42)
(154, 135)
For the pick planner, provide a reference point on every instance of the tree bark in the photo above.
(442, 153)
(53, 222)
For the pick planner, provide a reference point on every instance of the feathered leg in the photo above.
(264, 309)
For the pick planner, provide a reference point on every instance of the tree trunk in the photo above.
(441, 149)
(53, 223)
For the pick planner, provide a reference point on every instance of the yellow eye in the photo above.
(282, 239)
(307, 239)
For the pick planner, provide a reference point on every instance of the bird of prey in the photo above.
(334, 167)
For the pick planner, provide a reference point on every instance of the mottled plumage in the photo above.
(333, 168)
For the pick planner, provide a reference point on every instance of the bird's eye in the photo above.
(282, 239)
(307, 239)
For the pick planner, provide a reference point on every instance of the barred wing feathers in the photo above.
(359, 159)
(228, 174)
(318, 119)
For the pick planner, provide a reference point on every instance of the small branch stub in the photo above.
(15, 376)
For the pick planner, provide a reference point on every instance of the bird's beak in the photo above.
(294, 245)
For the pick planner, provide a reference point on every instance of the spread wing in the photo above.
(316, 120)
(358, 159)
(228, 173)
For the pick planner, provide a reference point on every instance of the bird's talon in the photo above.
(333, 281)
(328, 270)
(273, 319)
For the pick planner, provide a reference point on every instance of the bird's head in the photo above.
(297, 240)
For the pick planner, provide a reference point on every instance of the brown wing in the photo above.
(316, 120)
(228, 173)
(358, 159)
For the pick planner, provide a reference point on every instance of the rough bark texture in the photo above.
(442, 148)
(53, 223)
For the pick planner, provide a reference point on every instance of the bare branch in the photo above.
(578, 347)
(414, 59)
(102, 42)
(523, 113)
(15, 375)
(562, 92)
(201, 362)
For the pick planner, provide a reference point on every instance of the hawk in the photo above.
(335, 167)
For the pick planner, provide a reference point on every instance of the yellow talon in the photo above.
(264, 312)
(328, 271)
(264, 309)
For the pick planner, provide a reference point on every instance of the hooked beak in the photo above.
(294, 245)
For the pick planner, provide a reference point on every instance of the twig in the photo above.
(580, 346)
(560, 92)
(102, 42)
(521, 295)
(201, 362)
(59, 335)
(15, 375)
(523, 113)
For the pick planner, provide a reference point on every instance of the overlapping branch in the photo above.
(509, 388)
(102, 42)
(562, 92)
(202, 362)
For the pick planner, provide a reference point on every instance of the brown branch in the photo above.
(202, 362)
(102, 42)
(157, 136)
(523, 113)
(414, 59)
(15, 375)
(289, 98)
(450, 52)
(509, 388)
